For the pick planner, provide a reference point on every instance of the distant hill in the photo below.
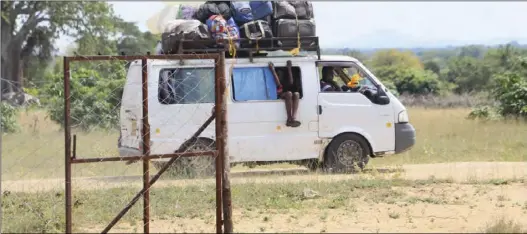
(416, 50)
(393, 39)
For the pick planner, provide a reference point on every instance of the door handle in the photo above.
(319, 109)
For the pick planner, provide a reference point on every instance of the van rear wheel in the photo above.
(347, 153)
(192, 167)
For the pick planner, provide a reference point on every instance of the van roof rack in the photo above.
(248, 48)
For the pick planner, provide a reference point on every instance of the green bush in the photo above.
(8, 116)
(511, 92)
(484, 113)
(95, 96)
(410, 80)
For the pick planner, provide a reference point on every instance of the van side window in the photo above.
(186, 86)
(258, 84)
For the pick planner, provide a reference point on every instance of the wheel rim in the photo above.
(349, 152)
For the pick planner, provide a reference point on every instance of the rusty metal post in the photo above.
(223, 148)
(146, 150)
(218, 67)
(67, 144)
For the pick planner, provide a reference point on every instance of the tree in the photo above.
(393, 57)
(406, 72)
(29, 28)
(511, 92)
(96, 87)
(474, 51)
(468, 73)
(433, 67)
(411, 80)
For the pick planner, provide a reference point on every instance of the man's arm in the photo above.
(276, 79)
(290, 72)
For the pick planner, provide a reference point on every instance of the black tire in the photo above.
(192, 167)
(346, 153)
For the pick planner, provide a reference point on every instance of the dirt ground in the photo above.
(447, 207)
(458, 172)
(437, 208)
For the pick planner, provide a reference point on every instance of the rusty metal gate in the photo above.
(223, 200)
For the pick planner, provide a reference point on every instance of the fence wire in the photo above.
(106, 113)
(106, 121)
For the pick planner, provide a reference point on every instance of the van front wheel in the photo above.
(347, 153)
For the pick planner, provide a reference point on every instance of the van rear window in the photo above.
(186, 86)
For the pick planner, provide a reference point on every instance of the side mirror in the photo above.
(383, 100)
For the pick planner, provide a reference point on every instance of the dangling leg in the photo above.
(296, 99)
(288, 99)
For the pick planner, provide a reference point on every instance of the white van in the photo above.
(338, 129)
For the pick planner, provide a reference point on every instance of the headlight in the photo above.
(403, 117)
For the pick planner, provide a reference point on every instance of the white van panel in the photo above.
(355, 111)
(131, 111)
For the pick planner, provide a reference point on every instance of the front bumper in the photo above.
(404, 137)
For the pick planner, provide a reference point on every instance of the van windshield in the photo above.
(186, 86)
(344, 74)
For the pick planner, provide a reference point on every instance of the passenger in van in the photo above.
(288, 91)
(327, 84)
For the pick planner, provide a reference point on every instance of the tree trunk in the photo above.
(11, 70)
(11, 49)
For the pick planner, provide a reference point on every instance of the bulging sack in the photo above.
(261, 9)
(292, 10)
(205, 11)
(242, 12)
(177, 30)
(289, 28)
(223, 30)
(187, 11)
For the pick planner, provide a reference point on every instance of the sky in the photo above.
(390, 24)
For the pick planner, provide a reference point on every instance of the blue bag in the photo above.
(261, 9)
(223, 30)
(242, 12)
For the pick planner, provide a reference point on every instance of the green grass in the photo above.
(44, 212)
(443, 135)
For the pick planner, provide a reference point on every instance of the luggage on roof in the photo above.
(289, 28)
(292, 10)
(223, 30)
(261, 9)
(256, 30)
(187, 11)
(250, 25)
(242, 12)
(178, 29)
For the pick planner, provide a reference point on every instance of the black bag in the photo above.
(289, 28)
(255, 30)
(225, 9)
(191, 30)
(303, 9)
(292, 9)
(206, 10)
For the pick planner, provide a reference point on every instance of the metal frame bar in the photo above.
(221, 140)
(307, 44)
